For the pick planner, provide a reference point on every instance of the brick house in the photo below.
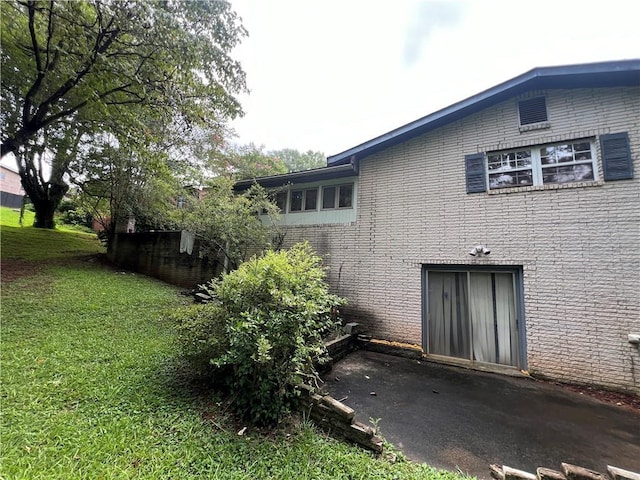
(11, 191)
(500, 233)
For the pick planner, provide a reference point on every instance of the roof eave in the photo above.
(604, 74)
(305, 176)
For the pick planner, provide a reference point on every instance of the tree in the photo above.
(296, 161)
(229, 223)
(58, 149)
(248, 162)
(66, 66)
(116, 184)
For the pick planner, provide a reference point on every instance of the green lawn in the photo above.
(28, 243)
(11, 217)
(92, 387)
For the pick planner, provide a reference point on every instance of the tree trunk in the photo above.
(45, 211)
(45, 201)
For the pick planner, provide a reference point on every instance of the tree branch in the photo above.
(103, 41)
(31, 5)
(26, 108)
(49, 36)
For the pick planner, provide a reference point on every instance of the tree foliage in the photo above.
(115, 182)
(249, 161)
(61, 57)
(74, 68)
(264, 329)
(228, 223)
(296, 161)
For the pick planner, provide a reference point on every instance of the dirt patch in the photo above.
(11, 270)
(624, 400)
(15, 269)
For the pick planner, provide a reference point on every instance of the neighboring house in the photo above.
(502, 232)
(11, 191)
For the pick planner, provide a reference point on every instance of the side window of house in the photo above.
(542, 165)
(304, 200)
(564, 162)
(345, 196)
(329, 197)
(295, 205)
(337, 196)
(281, 201)
(310, 199)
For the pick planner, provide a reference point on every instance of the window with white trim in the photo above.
(337, 196)
(564, 162)
(304, 200)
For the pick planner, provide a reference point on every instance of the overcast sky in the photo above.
(329, 75)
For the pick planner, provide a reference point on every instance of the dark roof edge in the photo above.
(621, 72)
(305, 176)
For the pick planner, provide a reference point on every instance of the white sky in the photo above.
(328, 75)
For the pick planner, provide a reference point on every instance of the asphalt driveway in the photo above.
(459, 419)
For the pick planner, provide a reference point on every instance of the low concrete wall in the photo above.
(157, 254)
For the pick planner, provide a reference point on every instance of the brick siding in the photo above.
(577, 246)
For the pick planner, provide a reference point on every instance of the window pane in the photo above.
(329, 197)
(448, 314)
(311, 199)
(519, 178)
(523, 159)
(583, 155)
(281, 201)
(582, 147)
(504, 162)
(494, 162)
(564, 153)
(492, 311)
(566, 174)
(296, 201)
(346, 196)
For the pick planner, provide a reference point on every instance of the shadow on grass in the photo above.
(178, 382)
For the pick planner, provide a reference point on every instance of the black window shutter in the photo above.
(475, 172)
(616, 156)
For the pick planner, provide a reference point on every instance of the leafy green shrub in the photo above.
(265, 329)
(201, 334)
(71, 213)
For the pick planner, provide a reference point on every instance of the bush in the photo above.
(265, 329)
(70, 213)
(201, 334)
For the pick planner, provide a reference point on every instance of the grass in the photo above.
(11, 217)
(92, 386)
(36, 244)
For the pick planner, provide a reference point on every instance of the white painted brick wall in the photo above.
(579, 247)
